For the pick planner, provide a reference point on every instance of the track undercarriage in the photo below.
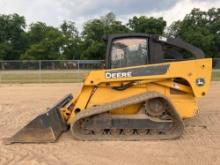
(156, 119)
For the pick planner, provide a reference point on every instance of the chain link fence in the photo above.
(216, 63)
(47, 71)
(58, 70)
(50, 65)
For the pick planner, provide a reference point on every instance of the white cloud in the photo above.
(49, 11)
(53, 12)
(178, 11)
(184, 7)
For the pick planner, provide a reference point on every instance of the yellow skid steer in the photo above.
(140, 95)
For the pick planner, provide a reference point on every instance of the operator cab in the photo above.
(126, 50)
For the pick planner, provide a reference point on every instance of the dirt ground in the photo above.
(200, 143)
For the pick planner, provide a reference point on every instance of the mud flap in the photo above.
(44, 128)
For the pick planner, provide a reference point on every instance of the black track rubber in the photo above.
(175, 132)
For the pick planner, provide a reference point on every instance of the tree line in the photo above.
(38, 41)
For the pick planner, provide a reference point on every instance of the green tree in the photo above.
(12, 36)
(149, 25)
(201, 29)
(45, 43)
(93, 47)
(42, 42)
(71, 47)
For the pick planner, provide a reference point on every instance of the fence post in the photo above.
(78, 65)
(1, 71)
(78, 73)
(0, 76)
(40, 76)
(3, 67)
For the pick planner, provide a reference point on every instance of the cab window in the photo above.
(127, 52)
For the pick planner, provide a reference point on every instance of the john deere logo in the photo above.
(109, 75)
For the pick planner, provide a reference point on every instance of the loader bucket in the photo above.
(44, 128)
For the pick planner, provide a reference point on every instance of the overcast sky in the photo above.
(53, 12)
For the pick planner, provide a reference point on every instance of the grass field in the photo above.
(216, 75)
(55, 76)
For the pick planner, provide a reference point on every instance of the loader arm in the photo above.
(182, 69)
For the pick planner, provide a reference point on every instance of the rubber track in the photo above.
(175, 132)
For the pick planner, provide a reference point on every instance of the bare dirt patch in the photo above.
(200, 143)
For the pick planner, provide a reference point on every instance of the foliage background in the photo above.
(38, 41)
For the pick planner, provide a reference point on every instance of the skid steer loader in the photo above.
(140, 95)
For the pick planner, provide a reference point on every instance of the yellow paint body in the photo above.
(97, 89)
